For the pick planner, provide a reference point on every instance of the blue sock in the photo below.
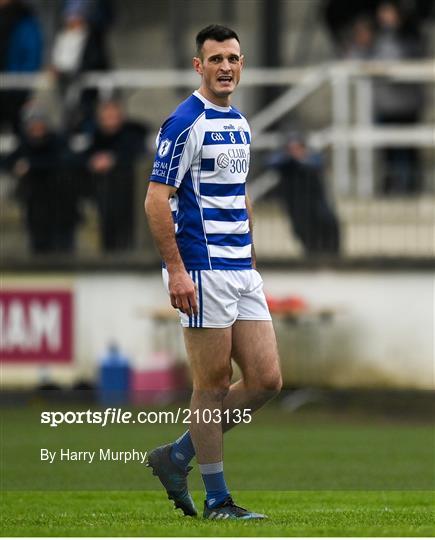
(182, 450)
(214, 481)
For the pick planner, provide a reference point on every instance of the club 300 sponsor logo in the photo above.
(223, 161)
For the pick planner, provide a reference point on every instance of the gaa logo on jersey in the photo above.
(223, 161)
(164, 148)
(243, 135)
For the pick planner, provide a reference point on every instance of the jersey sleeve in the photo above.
(176, 149)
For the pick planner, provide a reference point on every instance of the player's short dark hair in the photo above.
(216, 32)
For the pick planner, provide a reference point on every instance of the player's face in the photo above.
(220, 66)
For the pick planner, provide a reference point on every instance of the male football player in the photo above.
(198, 182)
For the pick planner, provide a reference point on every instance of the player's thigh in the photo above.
(209, 353)
(255, 351)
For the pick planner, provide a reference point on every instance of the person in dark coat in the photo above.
(20, 52)
(396, 103)
(48, 189)
(112, 156)
(80, 46)
(302, 191)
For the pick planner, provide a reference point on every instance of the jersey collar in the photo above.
(208, 104)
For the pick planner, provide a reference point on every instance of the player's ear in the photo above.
(197, 65)
(242, 61)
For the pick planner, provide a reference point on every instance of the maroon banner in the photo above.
(36, 326)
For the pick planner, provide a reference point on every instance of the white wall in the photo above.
(382, 332)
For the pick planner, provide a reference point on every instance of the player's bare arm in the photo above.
(181, 287)
(203, 148)
(251, 228)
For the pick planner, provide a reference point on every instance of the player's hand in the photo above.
(182, 291)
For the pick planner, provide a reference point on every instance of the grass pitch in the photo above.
(312, 473)
(150, 514)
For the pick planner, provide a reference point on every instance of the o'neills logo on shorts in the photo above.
(223, 161)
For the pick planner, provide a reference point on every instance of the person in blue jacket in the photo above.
(21, 47)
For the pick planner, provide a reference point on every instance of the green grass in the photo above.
(313, 473)
(304, 451)
(150, 514)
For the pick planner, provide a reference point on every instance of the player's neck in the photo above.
(224, 101)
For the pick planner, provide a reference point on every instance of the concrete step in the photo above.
(399, 227)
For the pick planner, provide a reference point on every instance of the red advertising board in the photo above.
(36, 326)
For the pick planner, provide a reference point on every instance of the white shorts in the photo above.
(225, 296)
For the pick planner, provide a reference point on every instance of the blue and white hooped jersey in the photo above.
(203, 150)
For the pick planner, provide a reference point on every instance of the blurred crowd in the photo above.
(79, 44)
(54, 178)
(388, 35)
(379, 31)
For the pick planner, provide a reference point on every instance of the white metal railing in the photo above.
(309, 82)
(343, 78)
(422, 71)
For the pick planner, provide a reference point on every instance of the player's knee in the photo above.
(272, 383)
(217, 385)
(221, 385)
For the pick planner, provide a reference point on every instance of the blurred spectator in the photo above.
(100, 16)
(361, 40)
(80, 46)
(20, 52)
(47, 188)
(111, 159)
(302, 191)
(397, 103)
